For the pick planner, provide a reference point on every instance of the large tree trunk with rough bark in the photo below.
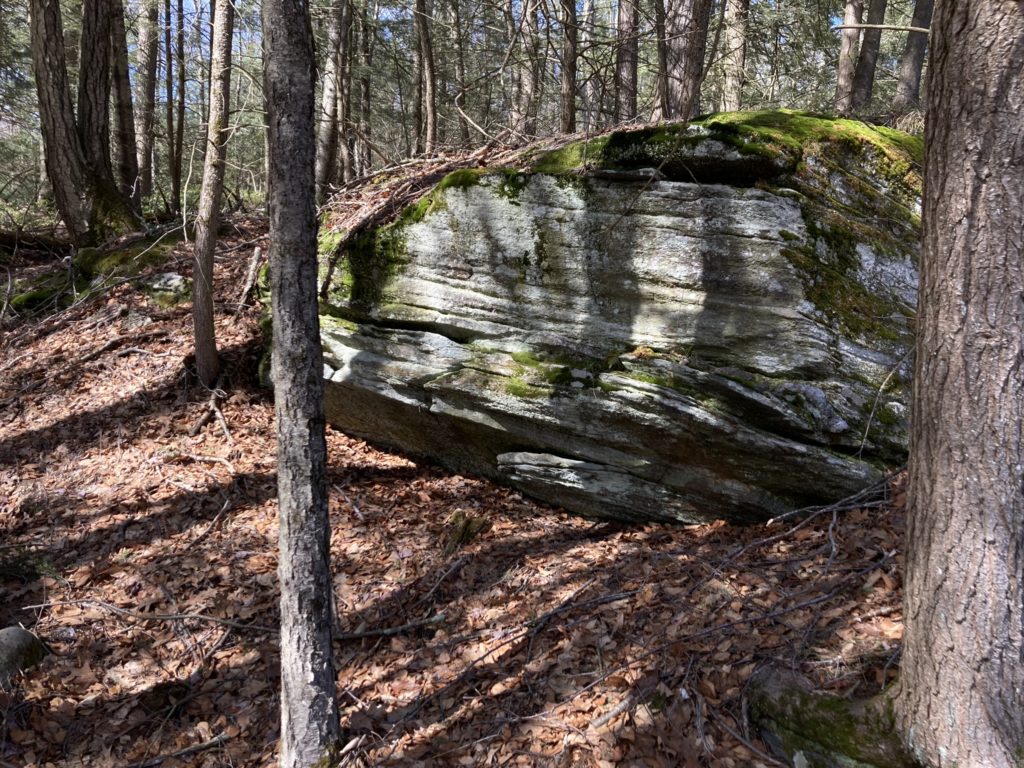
(686, 34)
(127, 161)
(908, 81)
(208, 216)
(309, 714)
(734, 58)
(626, 49)
(848, 56)
(86, 197)
(961, 700)
(867, 60)
(149, 44)
(93, 108)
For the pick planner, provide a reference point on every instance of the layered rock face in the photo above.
(678, 325)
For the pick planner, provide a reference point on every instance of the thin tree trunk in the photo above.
(735, 57)
(686, 33)
(149, 43)
(346, 145)
(908, 81)
(309, 715)
(567, 82)
(524, 114)
(208, 216)
(172, 160)
(961, 700)
(328, 125)
(626, 61)
(848, 57)
(460, 70)
(127, 161)
(428, 76)
(179, 127)
(590, 106)
(864, 75)
(365, 158)
(661, 108)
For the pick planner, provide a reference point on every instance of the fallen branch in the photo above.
(390, 631)
(213, 743)
(154, 616)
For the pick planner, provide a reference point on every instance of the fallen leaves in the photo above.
(542, 639)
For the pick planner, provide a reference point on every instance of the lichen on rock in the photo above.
(676, 323)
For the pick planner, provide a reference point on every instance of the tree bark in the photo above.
(567, 80)
(87, 200)
(908, 81)
(864, 75)
(328, 126)
(591, 110)
(149, 43)
(848, 57)
(961, 700)
(309, 714)
(734, 59)
(208, 216)
(524, 112)
(626, 61)
(686, 34)
(179, 127)
(661, 107)
(93, 112)
(127, 161)
(428, 76)
(460, 70)
(173, 162)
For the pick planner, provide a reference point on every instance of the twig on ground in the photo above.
(216, 741)
(154, 616)
(389, 631)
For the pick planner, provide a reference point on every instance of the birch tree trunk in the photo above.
(908, 81)
(309, 714)
(208, 216)
(961, 700)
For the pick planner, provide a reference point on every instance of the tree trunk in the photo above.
(368, 40)
(591, 109)
(734, 59)
(65, 159)
(567, 81)
(428, 76)
(848, 57)
(961, 700)
(328, 125)
(309, 714)
(94, 87)
(460, 70)
(661, 108)
(86, 197)
(208, 216)
(127, 161)
(686, 34)
(626, 61)
(179, 127)
(908, 81)
(864, 75)
(173, 162)
(149, 43)
(524, 113)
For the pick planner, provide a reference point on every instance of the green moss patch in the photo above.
(128, 260)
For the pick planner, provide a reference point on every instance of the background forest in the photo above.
(400, 80)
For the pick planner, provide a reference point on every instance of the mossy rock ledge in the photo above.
(679, 324)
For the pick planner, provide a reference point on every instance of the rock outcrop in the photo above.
(680, 324)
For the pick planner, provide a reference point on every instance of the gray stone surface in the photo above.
(635, 348)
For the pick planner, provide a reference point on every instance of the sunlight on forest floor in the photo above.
(146, 558)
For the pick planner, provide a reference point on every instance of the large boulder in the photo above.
(682, 323)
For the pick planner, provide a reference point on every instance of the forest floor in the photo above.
(146, 557)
